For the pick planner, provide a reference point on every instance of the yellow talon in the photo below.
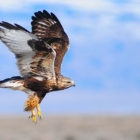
(34, 119)
(33, 116)
(39, 115)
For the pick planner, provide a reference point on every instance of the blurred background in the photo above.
(103, 61)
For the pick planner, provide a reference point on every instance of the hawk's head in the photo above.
(64, 82)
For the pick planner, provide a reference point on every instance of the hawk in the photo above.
(39, 56)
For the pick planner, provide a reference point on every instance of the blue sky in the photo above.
(103, 59)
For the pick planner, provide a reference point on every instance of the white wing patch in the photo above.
(39, 78)
(16, 40)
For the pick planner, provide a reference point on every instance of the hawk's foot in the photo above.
(38, 111)
(33, 116)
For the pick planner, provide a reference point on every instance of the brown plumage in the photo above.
(39, 57)
(47, 27)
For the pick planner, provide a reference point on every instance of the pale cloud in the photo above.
(102, 6)
(88, 5)
(10, 5)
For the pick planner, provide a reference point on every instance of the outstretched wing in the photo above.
(47, 27)
(34, 57)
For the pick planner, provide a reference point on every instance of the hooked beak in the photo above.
(73, 84)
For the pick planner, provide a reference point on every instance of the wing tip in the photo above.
(45, 15)
(41, 15)
(11, 26)
(7, 25)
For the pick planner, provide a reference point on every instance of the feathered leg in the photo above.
(30, 105)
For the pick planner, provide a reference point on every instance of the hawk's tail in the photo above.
(14, 83)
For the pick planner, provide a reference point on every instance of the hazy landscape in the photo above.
(70, 128)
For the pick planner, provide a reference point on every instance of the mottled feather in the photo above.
(34, 57)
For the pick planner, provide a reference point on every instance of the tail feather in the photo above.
(14, 83)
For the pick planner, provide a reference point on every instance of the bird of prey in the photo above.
(39, 56)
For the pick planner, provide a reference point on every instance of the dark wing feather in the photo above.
(10, 26)
(34, 57)
(47, 27)
(21, 28)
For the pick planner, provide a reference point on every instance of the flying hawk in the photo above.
(39, 56)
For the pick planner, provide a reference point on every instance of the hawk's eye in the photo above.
(69, 82)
